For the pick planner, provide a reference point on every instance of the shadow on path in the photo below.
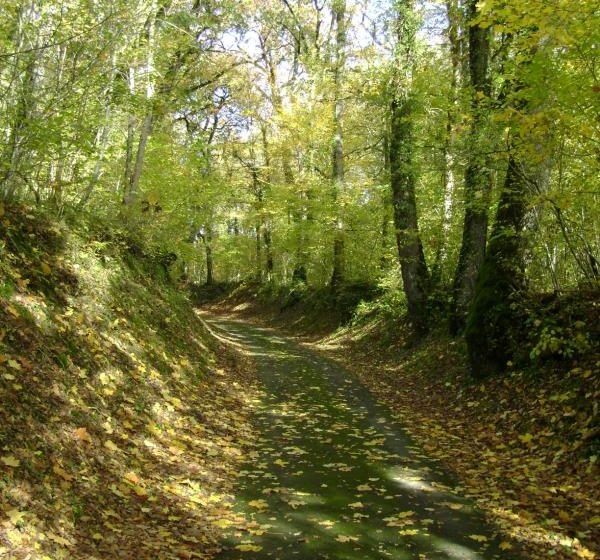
(336, 477)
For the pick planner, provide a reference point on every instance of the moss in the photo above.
(489, 322)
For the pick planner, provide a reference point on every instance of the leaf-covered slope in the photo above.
(123, 419)
(524, 446)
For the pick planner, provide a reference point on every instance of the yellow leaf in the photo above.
(10, 461)
(132, 477)
(110, 445)
(258, 504)
(14, 364)
(403, 514)
(505, 545)
(15, 516)
(140, 491)
(222, 523)
(478, 538)
(62, 473)
(344, 538)
(46, 269)
(526, 438)
(248, 547)
(82, 435)
(58, 540)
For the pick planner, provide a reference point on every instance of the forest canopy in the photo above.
(323, 142)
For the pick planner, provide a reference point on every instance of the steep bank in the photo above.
(123, 418)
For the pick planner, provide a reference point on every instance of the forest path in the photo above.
(335, 476)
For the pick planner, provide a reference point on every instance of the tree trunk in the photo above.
(453, 13)
(267, 239)
(26, 78)
(209, 256)
(491, 318)
(337, 275)
(477, 176)
(387, 207)
(103, 135)
(259, 269)
(269, 252)
(415, 276)
(134, 179)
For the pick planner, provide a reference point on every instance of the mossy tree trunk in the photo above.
(337, 274)
(415, 276)
(478, 178)
(491, 317)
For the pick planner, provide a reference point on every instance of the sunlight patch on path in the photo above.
(334, 476)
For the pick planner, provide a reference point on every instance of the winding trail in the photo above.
(335, 476)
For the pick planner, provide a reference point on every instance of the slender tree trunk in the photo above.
(259, 268)
(134, 179)
(337, 275)
(131, 125)
(103, 135)
(269, 253)
(387, 206)
(449, 181)
(24, 105)
(415, 276)
(478, 178)
(267, 239)
(209, 256)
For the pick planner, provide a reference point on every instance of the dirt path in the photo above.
(336, 477)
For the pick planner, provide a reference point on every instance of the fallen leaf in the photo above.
(248, 547)
(82, 435)
(111, 446)
(258, 504)
(526, 438)
(15, 516)
(62, 473)
(10, 461)
(478, 538)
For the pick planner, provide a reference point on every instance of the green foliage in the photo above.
(236, 168)
(561, 342)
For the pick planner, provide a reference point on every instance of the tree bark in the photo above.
(478, 178)
(453, 13)
(103, 135)
(209, 256)
(415, 276)
(491, 318)
(134, 179)
(337, 274)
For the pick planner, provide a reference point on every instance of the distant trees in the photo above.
(322, 143)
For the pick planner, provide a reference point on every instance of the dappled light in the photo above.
(299, 279)
(335, 476)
